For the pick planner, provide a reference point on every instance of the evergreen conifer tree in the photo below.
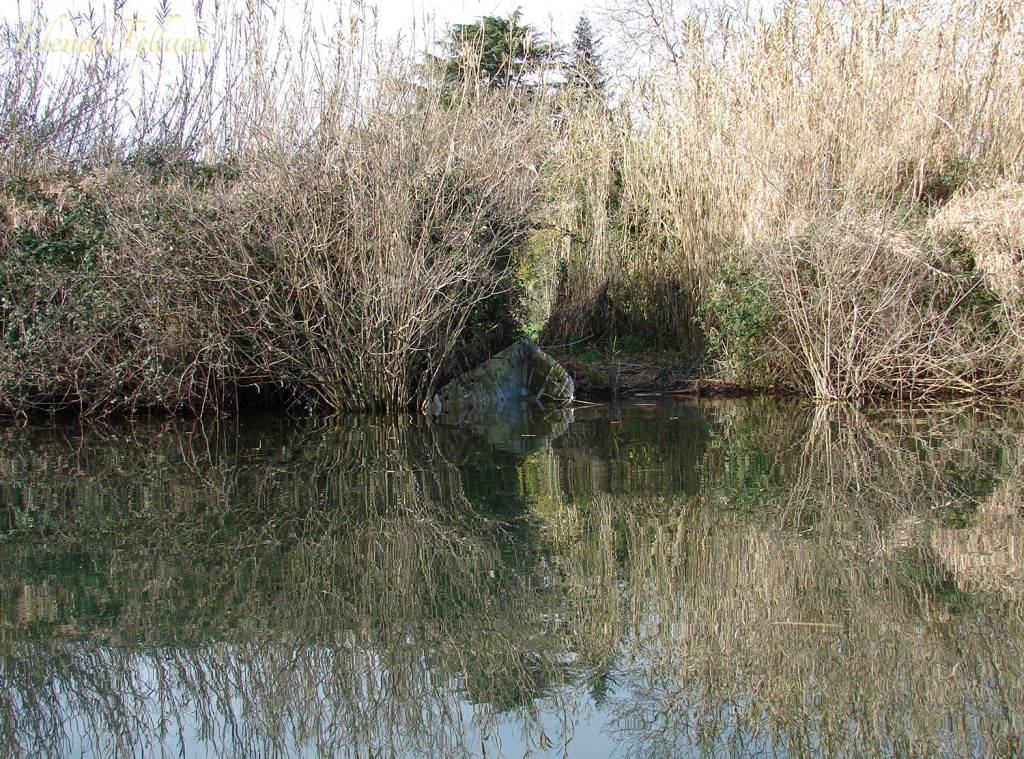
(585, 71)
(500, 52)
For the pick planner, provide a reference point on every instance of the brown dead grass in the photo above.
(990, 223)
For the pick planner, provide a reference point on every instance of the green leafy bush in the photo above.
(737, 320)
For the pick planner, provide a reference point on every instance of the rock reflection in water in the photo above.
(522, 428)
(660, 580)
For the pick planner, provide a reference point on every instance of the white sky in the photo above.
(557, 16)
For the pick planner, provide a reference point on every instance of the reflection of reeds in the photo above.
(732, 631)
(791, 606)
(792, 577)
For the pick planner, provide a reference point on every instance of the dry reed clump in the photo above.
(580, 200)
(989, 223)
(751, 125)
(866, 304)
(762, 119)
(615, 273)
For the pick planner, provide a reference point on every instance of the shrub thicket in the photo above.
(353, 245)
(825, 198)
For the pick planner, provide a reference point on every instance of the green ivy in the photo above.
(736, 321)
(70, 238)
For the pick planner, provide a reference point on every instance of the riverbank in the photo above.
(648, 373)
(829, 200)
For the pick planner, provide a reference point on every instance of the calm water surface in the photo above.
(654, 579)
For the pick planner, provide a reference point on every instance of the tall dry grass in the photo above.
(757, 133)
(763, 121)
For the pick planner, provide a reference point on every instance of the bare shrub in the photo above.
(392, 242)
(866, 305)
(332, 225)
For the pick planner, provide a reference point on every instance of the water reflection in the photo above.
(521, 428)
(659, 580)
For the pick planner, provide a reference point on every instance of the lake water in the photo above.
(660, 579)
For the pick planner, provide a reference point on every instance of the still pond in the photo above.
(653, 579)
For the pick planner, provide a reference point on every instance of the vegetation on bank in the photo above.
(829, 199)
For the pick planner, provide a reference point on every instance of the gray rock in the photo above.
(520, 377)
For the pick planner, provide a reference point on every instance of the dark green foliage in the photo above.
(939, 187)
(585, 71)
(957, 515)
(630, 343)
(162, 167)
(736, 320)
(499, 53)
(66, 229)
(962, 293)
(50, 289)
(91, 317)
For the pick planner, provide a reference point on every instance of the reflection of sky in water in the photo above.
(658, 580)
(168, 723)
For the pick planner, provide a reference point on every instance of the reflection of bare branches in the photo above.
(769, 577)
(270, 595)
(731, 637)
